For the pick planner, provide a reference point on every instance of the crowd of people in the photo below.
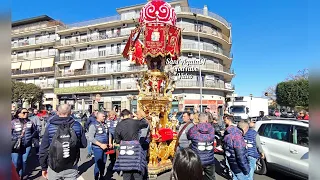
(125, 139)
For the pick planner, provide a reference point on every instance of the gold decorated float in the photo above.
(154, 41)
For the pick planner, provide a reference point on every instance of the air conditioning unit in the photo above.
(14, 53)
(72, 34)
(124, 41)
(41, 47)
(190, 54)
(77, 33)
(89, 46)
(96, 30)
(124, 25)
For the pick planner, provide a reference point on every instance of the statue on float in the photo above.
(151, 43)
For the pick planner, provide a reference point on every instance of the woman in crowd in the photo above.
(22, 132)
(186, 166)
(303, 115)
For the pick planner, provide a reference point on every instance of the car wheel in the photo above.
(261, 167)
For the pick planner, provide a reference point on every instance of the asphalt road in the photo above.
(86, 167)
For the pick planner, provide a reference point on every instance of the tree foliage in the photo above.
(26, 92)
(293, 93)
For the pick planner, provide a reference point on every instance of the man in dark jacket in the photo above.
(91, 119)
(235, 150)
(63, 119)
(202, 138)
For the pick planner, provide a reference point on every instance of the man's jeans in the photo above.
(252, 163)
(209, 172)
(68, 174)
(240, 176)
(20, 159)
(128, 175)
(100, 159)
(89, 147)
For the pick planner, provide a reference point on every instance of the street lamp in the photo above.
(200, 75)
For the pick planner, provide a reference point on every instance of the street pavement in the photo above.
(86, 167)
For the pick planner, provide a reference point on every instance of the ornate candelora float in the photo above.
(153, 42)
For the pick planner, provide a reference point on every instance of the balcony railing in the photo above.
(32, 71)
(204, 47)
(32, 57)
(206, 84)
(90, 38)
(101, 53)
(95, 88)
(35, 26)
(202, 12)
(45, 85)
(203, 29)
(28, 42)
(100, 71)
(119, 18)
(216, 67)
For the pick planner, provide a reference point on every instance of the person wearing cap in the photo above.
(209, 114)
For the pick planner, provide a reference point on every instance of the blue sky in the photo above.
(271, 39)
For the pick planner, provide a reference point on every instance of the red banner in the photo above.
(155, 40)
(174, 41)
(137, 54)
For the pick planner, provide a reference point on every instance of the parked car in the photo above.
(287, 114)
(285, 143)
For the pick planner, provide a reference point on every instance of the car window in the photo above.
(301, 136)
(261, 129)
(279, 132)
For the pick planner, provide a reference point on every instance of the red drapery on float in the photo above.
(134, 48)
(174, 41)
(155, 40)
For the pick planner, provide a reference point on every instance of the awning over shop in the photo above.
(35, 64)
(16, 65)
(77, 65)
(46, 63)
(25, 65)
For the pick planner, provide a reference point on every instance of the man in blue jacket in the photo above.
(46, 160)
(202, 138)
(235, 150)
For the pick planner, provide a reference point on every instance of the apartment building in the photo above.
(34, 53)
(91, 73)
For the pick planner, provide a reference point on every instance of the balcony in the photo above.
(28, 43)
(95, 88)
(205, 31)
(49, 85)
(94, 39)
(94, 55)
(32, 57)
(101, 71)
(202, 12)
(206, 84)
(32, 71)
(31, 28)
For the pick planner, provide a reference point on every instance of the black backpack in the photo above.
(64, 152)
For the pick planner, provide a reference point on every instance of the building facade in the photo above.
(90, 72)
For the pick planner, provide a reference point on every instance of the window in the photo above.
(102, 51)
(51, 51)
(82, 82)
(83, 53)
(118, 48)
(112, 31)
(118, 83)
(27, 53)
(66, 68)
(38, 53)
(66, 84)
(112, 45)
(276, 131)
(102, 81)
(102, 67)
(301, 136)
(118, 65)
(112, 65)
